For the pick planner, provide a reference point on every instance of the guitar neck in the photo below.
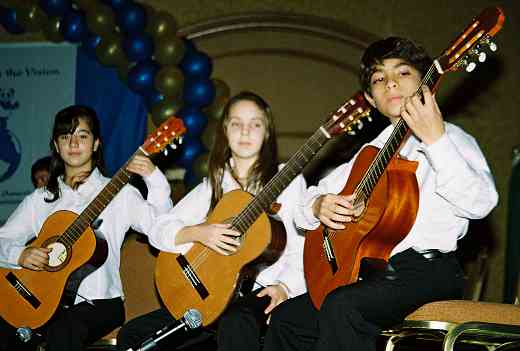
(281, 180)
(392, 145)
(100, 202)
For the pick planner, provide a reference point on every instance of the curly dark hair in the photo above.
(392, 47)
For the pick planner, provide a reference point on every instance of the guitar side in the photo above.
(218, 274)
(30, 298)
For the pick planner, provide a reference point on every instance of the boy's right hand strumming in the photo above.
(333, 210)
(34, 258)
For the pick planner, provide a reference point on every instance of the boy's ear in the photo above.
(370, 99)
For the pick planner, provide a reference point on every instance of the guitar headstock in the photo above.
(348, 117)
(470, 47)
(169, 132)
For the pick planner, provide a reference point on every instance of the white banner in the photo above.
(36, 81)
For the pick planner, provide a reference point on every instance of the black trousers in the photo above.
(71, 328)
(352, 316)
(239, 328)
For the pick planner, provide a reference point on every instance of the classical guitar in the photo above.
(379, 177)
(30, 298)
(205, 280)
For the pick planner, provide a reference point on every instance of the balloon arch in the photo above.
(143, 45)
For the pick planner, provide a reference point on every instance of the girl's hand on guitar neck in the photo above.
(425, 120)
(333, 210)
(218, 237)
(141, 165)
(34, 258)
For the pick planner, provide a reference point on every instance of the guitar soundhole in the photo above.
(59, 255)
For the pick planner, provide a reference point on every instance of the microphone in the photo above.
(190, 320)
(24, 333)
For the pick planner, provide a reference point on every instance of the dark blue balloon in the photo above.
(132, 18)
(196, 64)
(74, 26)
(90, 43)
(194, 119)
(152, 98)
(198, 92)
(8, 21)
(117, 4)
(190, 178)
(141, 76)
(138, 47)
(55, 7)
(190, 149)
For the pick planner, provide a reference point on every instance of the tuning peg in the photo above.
(490, 43)
(359, 124)
(471, 66)
(165, 151)
(369, 118)
(351, 132)
(482, 57)
(180, 140)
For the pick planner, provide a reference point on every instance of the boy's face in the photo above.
(391, 82)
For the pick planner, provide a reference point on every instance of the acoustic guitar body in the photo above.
(30, 298)
(388, 217)
(206, 280)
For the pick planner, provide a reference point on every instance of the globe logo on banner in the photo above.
(10, 146)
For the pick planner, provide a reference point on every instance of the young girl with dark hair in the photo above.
(76, 177)
(243, 156)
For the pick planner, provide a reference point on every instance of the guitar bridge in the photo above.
(329, 251)
(22, 290)
(192, 277)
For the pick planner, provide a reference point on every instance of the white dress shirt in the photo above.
(455, 185)
(127, 209)
(193, 209)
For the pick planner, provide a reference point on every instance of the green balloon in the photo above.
(100, 19)
(221, 88)
(161, 24)
(169, 81)
(208, 135)
(51, 30)
(109, 51)
(122, 70)
(31, 18)
(216, 108)
(164, 110)
(201, 165)
(169, 50)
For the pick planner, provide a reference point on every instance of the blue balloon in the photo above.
(8, 21)
(74, 26)
(138, 47)
(132, 18)
(141, 76)
(152, 98)
(198, 92)
(90, 43)
(191, 178)
(190, 149)
(117, 4)
(196, 64)
(55, 7)
(194, 119)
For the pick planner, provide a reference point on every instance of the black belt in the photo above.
(432, 254)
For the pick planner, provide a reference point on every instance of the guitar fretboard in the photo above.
(281, 180)
(100, 202)
(391, 147)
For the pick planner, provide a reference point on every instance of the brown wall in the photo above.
(305, 76)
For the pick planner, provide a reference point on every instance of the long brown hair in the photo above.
(264, 168)
(66, 121)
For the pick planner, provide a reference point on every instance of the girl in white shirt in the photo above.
(75, 180)
(244, 156)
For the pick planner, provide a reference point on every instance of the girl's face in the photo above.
(246, 130)
(76, 148)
